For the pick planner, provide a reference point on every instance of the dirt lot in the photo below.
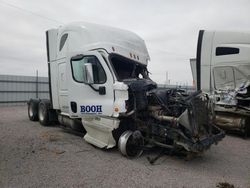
(36, 156)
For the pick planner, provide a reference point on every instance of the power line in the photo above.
(59, 22)
(30, 12)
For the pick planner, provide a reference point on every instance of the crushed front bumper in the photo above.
(205, 143)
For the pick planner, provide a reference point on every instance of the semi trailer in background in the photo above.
(222, 69)
(99, 81)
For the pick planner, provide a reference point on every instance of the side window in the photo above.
(78, 69)
(224, 78)
(226, 51)
(62, 41)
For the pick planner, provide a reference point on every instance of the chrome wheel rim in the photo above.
(41, 112)
(125, 147)
(30, 111)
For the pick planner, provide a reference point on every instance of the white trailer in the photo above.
(222, 69)
(99, 80)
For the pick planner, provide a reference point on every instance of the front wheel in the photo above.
(43, 114)
(130, 143)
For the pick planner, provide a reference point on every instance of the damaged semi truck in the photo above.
(222, 69)
(99, 80)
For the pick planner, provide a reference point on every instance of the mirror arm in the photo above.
(101, 90)
(97, 90)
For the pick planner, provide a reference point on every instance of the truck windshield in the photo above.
(128, 69)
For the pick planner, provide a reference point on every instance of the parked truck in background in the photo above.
(222, 69)
(99, 79)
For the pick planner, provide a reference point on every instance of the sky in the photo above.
(169, 28)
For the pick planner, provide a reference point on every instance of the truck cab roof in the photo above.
(82, 36)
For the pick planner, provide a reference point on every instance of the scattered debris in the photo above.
(55, 151)
(85, 150)
(224, 185)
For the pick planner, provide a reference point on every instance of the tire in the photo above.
(77, 126)
(247, 128)
(43, 113)
(33, 110)
(130, 144)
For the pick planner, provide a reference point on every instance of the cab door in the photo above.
(62, 87)
(86, 99)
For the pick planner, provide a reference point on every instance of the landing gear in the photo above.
(130, 143)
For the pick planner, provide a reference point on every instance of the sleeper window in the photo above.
(62, 41)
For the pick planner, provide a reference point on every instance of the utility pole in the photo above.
(37, 84)
(167, 82)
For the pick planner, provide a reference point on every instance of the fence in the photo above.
(188, 89)
(15, 90)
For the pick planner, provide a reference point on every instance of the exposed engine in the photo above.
(168, 118)
(232, 109)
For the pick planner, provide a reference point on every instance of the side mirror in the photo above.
(88, 73)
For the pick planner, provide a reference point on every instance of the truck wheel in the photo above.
(43, 113)
(247, 128)
(77, 126)
(130, 143)
(33, 110)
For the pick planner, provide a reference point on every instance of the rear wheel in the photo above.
(43, 113)
(33, 110)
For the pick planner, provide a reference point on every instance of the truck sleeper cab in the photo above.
(98, 75)
(222, 69)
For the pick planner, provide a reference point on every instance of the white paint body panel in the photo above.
(99, 131)
(86, 36)
(121, 95)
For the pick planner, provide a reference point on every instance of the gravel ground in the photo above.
(35, 156)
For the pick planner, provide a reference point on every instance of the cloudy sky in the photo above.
(169, 28)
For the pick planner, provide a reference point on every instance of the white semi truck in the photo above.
(99, 80)
(222, 69)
